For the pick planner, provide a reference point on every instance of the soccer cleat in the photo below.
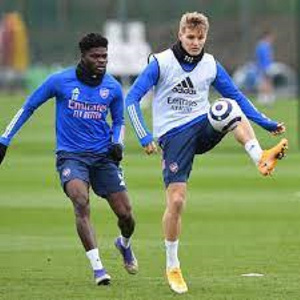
(101, 277)
(270, 157)
(176, 281)
(130, 262)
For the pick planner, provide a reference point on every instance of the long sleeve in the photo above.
(145, 81)
(225, 86)
(39, 96)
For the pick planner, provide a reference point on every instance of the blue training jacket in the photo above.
(81, 112)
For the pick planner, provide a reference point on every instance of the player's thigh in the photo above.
(78, 191)
(177, 155)
(74, 175)
(106, 178)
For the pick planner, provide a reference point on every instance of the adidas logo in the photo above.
(185, 87)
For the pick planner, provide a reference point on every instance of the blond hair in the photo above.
(193, 20)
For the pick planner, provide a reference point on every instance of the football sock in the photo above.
(93, 256)
(171, 254)
(125, 242)
(254, 150)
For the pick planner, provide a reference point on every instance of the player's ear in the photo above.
(179, 35)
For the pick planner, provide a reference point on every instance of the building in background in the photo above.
(14, 51)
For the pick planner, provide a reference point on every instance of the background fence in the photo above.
(54, 26)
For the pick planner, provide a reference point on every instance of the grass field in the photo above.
(235, 222)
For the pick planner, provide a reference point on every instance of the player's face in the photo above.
(193, 40)
(95, 59)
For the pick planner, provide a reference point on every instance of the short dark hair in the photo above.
(92, 40)
(267, 32)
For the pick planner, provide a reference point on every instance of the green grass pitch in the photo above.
(235, 222)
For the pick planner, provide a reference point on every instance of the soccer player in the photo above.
(88, 149)
(264, 59)
(181, 77)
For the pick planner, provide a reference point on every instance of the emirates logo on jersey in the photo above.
(104, 93)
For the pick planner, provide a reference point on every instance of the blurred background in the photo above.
(37, 37)
(235, 222)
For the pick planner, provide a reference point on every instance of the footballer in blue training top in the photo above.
(264, 57)
(88, 148)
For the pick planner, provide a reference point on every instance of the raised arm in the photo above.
(225, 86)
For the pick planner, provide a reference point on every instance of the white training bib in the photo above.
(180, 96)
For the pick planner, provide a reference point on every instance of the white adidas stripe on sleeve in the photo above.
(12, 123)
(121, 135)
(136, 122)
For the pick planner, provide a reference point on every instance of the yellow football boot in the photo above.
(176, 281)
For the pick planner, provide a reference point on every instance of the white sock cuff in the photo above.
(254, 150)
(251, 143)
(92, 253)
(94, 258)
(171, 243)
(125, 241)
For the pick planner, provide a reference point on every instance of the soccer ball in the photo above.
(224, 115)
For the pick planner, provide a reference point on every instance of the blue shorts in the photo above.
(178, 150)
(99, 171)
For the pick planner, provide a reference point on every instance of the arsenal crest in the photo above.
(104, 92)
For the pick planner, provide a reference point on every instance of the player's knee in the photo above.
(78, 196)
(225, 115)
(80, 200)
(177, 202)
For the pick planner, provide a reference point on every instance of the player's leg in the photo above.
(175, 202)
(120, 205)
(74, 179)
(107, 181)
(243, 132)
(77, 191)
(178, 154)
(266, 160)
(266, 94)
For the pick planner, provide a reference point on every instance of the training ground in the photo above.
(235, 222)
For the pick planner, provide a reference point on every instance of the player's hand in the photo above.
(150, 148)
(116, 152)
(3, 149)
(279, 130)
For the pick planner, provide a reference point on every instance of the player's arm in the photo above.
(37, 98)
(225, 86)
(145, 81)
(118, 127)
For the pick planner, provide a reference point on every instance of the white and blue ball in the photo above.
(224, 115)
